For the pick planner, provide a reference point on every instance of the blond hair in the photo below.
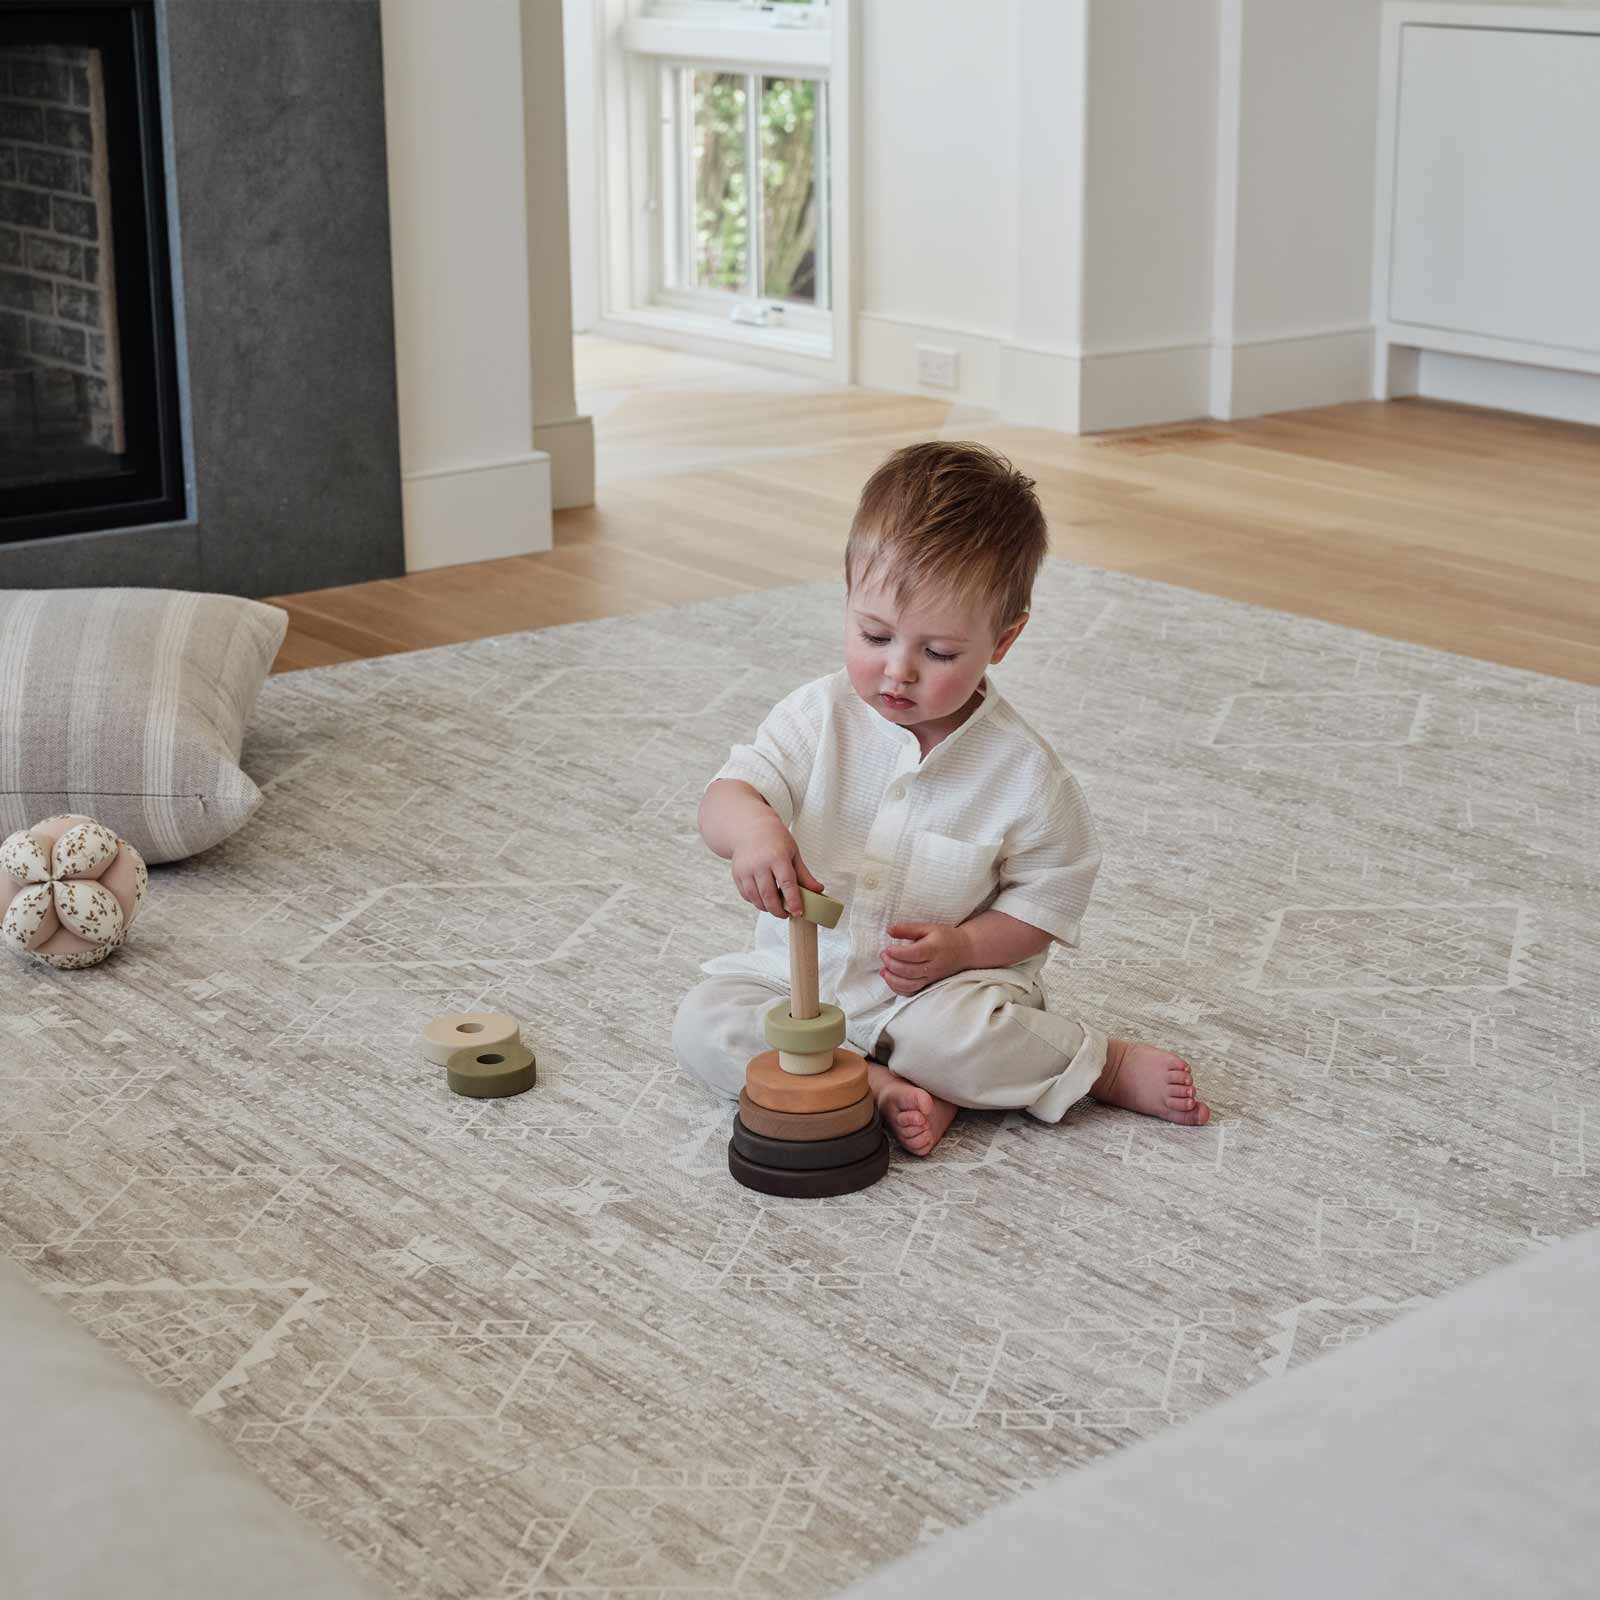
(955, 518)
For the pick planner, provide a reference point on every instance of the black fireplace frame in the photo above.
(150, 488)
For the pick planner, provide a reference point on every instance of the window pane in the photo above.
(789, 188)
(721, 216)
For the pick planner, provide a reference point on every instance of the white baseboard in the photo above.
(1070, 390)
(1091, 391)
(1255, 376)
(1144, 388)
(570, 446)
(1040, 388)
(1509, 386)
(461, 514)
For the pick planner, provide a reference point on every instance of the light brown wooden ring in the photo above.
(806, 1124)
(769, 1085)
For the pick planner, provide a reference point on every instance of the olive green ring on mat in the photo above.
(489, 1074)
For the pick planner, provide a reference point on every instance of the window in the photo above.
(744, 187)
(724, 161)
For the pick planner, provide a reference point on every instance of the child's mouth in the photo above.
(898, 702)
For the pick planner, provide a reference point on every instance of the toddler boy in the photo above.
(958, 842)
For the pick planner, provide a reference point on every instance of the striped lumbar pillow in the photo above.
(129, 706)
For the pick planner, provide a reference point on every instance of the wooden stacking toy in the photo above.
(482, 1053)
(807, 1126)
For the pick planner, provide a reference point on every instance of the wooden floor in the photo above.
(1472, 531)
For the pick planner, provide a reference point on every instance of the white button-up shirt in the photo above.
(989, 820)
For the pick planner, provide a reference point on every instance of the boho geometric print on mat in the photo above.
(546, 1347)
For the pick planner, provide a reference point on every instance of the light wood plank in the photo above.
(1467, 530)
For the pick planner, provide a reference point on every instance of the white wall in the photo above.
(583, 176)
(558, 430)
(1309, 116)
(1149, 198)
(1299, 79)
(1149, 201)
(938, 162)
(1114, 212)
(1050, 58)
(1184, 174)
(473, 485)
(971, 198)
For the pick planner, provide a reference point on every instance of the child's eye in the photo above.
(876, 638)
(938, 657)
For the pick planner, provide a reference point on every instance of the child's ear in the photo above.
(1007, 639)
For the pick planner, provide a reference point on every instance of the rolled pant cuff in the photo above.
(1075, 1081)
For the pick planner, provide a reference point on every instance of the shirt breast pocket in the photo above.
(948, 879)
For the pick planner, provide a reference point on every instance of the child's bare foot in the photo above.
(1143, 1077)
(919, 1120)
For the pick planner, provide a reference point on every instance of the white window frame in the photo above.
(635, 39)
(673, 177)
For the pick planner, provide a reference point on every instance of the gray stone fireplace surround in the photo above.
(277, 184)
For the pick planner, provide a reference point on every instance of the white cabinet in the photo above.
(1488, 227)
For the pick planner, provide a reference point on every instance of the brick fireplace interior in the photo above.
(60, 384)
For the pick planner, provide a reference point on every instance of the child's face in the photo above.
(918, 662)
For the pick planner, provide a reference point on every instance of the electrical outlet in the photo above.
(938, 368)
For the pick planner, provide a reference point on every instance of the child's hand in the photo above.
(932, 951)
(768, 871)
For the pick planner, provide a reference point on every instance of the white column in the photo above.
(474, 485)
(1149, 205)
(1298, 112)
(557, 427)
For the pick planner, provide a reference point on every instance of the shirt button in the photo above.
(898, 792)
(871, 880)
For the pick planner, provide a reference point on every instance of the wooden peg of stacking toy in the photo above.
(805, 1032)
(482, 1053)
(807, 1126)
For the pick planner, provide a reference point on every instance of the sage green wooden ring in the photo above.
(492, 1073)
(821, 910)
(825, 1031)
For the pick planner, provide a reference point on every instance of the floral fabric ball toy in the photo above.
(69, 890)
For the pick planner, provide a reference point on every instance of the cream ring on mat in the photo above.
(461, 1030)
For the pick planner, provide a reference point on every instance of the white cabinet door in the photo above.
(1497, 185)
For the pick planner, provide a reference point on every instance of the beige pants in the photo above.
(980, 1039)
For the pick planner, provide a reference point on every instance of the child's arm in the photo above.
(935, 950)
(739, 825)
